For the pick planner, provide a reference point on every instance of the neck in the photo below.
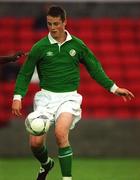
(62, 38)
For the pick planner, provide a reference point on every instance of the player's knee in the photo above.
(61, 138)
(36, 142)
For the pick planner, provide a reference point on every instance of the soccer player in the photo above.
(11, 58)
(57, 57)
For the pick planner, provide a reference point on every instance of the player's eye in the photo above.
(49, 24)
(56, 24)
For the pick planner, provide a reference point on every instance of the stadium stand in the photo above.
(115, 42)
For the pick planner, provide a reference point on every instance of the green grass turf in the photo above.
(83, 169)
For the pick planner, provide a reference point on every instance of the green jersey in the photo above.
(58, 66)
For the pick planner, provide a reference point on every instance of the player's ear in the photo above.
(65, 22)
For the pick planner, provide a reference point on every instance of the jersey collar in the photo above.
(53, 41)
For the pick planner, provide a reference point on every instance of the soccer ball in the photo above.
(37, 124)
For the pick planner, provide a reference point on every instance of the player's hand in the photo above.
(16, 107)
(18, 55)
(126, 95)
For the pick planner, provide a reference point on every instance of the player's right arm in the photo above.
(23, 80)
(16, 107)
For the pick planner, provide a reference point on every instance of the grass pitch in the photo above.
(83, 169)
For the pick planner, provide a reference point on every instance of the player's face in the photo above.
(56, 27)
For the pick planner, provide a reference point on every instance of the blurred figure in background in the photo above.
(9, 71)
(11, 58)
(40, 23)
(57, 58)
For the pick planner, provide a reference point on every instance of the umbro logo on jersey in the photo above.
(72, 52)
(49, 53)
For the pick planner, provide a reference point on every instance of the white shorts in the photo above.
(53, 104)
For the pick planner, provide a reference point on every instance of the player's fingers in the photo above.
(16, 112)
(128, 96)
(131, 94)
(26, 54)
(124, 98)
(18, 55)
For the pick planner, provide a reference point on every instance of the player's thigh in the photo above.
(63, 123)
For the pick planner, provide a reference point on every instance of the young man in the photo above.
(57, 58)
(11, 58)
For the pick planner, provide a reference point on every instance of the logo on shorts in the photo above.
(49, 53)
(72, 52)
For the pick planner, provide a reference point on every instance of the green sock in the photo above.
(41, 154)
(65, 159)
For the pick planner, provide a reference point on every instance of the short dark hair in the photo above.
(57, 11)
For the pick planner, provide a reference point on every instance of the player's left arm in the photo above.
(11, 58)
(96, 71)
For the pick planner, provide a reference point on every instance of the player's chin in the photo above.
(54, 34)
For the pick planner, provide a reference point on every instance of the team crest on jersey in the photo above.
(49, 53)
(72, 52)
